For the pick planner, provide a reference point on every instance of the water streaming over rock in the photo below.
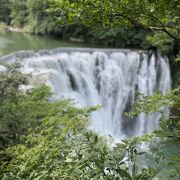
(110, 78)
(2, 69)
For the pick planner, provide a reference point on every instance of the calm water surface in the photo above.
(13, 41)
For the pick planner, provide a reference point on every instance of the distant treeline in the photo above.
(33, 17)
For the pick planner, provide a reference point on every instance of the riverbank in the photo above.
(15, 29)
(6, 28)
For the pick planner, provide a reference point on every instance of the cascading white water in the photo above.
(2, 69)
(109, 78)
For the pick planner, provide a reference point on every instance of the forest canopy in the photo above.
(162, 17)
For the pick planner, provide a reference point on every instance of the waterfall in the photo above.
(2, 69)
(110, 78)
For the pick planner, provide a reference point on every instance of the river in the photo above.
(15, 41)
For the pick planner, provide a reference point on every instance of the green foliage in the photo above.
(3, 27)
(19, 110)
(44, 150)
(37, 19)
(18, 12)
(146, 14)
(121, 37)
(162, 42)
(176, 78)
(161, 18)
(175, 72)
(62, 149)
(165, 146)
(4, 11)
(170, 122)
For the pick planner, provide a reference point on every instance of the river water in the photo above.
(14, 41)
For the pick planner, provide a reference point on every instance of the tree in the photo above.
(18, 12)
(37, 17)
(4, 11)
(165, 146)
(19, 110)
(161, 17)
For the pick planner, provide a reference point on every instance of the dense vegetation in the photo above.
(157, 16)
(40, 139)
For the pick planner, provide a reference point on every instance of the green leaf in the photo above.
(125, 175)
(134, 171)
